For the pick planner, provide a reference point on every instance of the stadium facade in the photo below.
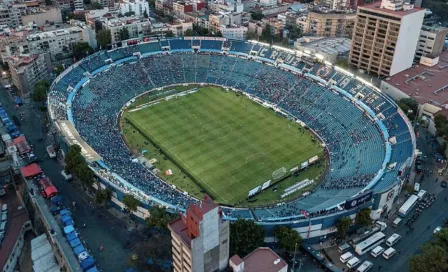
(370, 141)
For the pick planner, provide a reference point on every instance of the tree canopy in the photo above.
(130, 202)
(439, 7)
(40, 90)
(287, 238)
(363, 217)
(433, 256)
(104, 38)
(103, 196)
(169, 33)
(77, 165)
(82, 50)
(124, 34)
(441, 123)
(159, 217)
(409, 107)
(257, 16)
(245, 237)
(343, 225)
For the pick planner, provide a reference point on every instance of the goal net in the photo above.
(279, 173)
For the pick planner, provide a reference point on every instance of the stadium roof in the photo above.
(421, 82)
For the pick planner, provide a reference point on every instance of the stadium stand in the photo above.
(357, 145)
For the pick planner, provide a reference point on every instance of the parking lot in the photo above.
(418, 226)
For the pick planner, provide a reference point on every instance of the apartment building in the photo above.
(94, 15)
(234, 32)
(10, 16)
(339, 4)
(198, 18)
(329, 24)
(137, 27)
(385, 37)
(431, 42)
(217, 20)
(137, 6)
(105, 3)
(200, 240)
(78, 5)
(26, 70)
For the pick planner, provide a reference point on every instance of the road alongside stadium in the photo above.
(102, 228)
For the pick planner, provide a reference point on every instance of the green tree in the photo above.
(40, 91)
(152, 4)
(103, 196)
(82, 50)
(96, 5)
(73, 159)
(169, 34)
(439, 7)
(245, 236)
(343, 225)
(363, 217)
(409, 107)
(285, 42)
(433, 258)
(287, 238)
(251, 35)
(124, 34)
(85, 175)
(189, 33)
(159, 217)
(218, 34)
(103, 38)
(257, 16)
(266, 34)
(441, 124)
(48, 2)
(294, 32)
(130, 202)
(59, 69)
(129, 13)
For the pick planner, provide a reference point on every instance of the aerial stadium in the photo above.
(274, 135)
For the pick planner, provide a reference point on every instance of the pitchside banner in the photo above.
(71, 134)
(358, 200)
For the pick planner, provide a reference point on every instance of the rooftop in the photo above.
(263, 259)
(179, 226)
(424, 84)
(16, 218)
(327, 45)
(376, 6)
(22, 60)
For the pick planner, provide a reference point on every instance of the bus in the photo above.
(408, 205)
(366, 245)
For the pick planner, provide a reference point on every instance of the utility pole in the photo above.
(294, 258)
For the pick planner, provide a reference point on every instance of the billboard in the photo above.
(254, 191)
(266, 185)
(71, 135)
(358, 200)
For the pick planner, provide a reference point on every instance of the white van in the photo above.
(381, 225)
(364, 267)
(3, 227)
(417, 187)
(353, 262)
(393, 239)
(345, 257)
(389, 253)
(342, 248)
(421, 194)
(396, 222)
(377, 251)
(4, 207)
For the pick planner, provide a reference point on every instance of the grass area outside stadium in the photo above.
(222, 143)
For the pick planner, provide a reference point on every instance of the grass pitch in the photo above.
(226, 142)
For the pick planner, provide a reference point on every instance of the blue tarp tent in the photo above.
(63, 211)
(57, 200)
(87, 264)
(69, 229)
(79, 249)
(67, 220)
(75, 242)
(93, 269)
(71, 236)
(18, 100)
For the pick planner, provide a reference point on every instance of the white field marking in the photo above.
(146, 131)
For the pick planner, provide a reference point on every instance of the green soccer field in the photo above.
(226, 142)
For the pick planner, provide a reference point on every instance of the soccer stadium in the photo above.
(272, 134)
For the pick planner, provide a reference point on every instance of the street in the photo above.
(102, 228)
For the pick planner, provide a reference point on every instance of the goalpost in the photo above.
(279, 173)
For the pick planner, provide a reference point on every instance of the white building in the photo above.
(10, 16)
(27, 70)
(234, 32)
(137, 27)
(268, 2)
(137, 6)
(79, 5)
(431, 41)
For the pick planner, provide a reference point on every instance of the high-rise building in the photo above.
(200, 240)
(385, 37)
(329, 24)
(431, 41)
(27, 70)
